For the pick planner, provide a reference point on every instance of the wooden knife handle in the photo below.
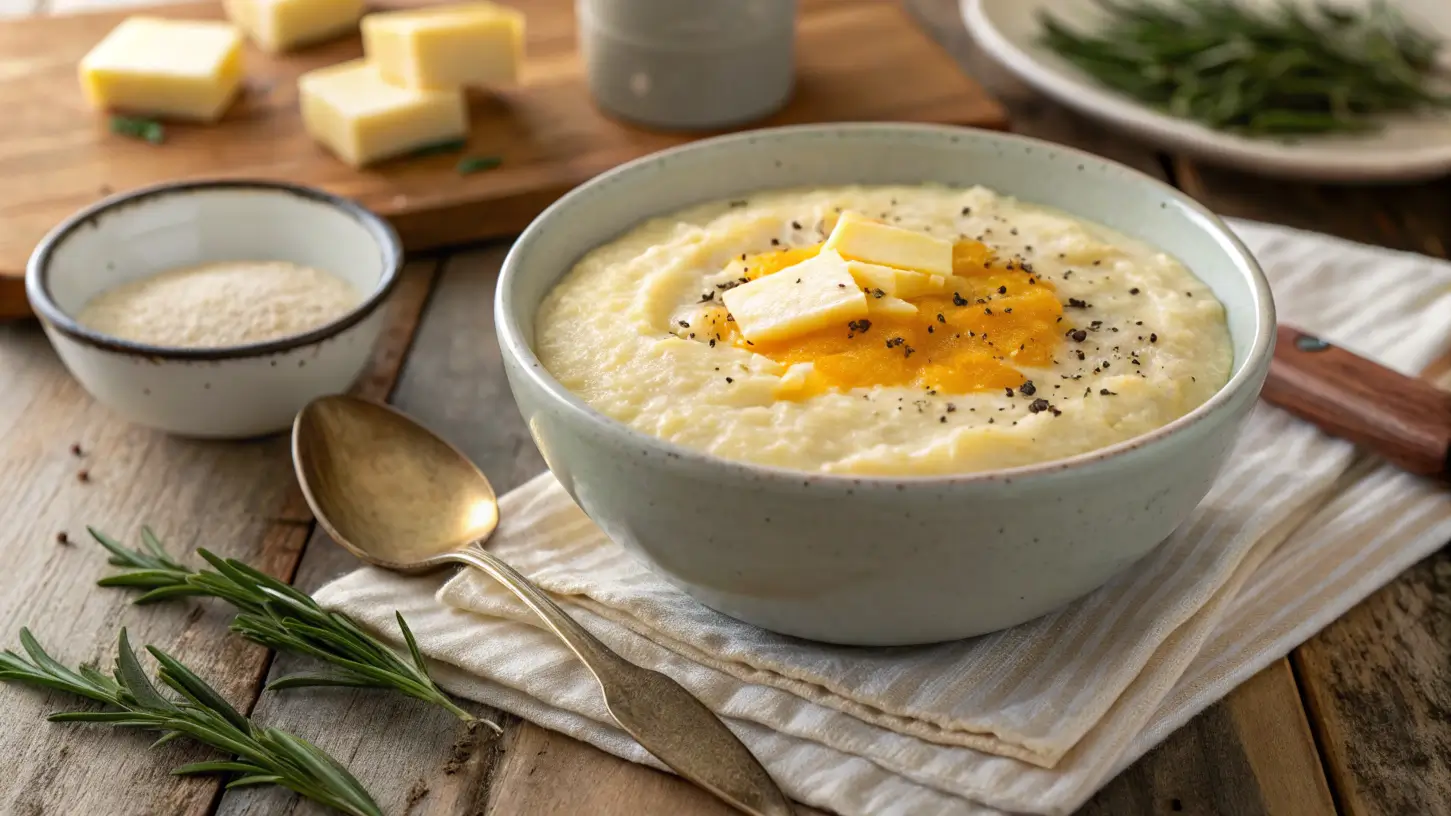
(1403, 419)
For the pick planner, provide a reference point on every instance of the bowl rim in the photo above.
(38, 269)
(1249, 374)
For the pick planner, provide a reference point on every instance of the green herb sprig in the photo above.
(279, 617)
(147, 130)
(1291, 70)
(262, 756)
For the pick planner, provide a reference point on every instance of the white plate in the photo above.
(1411, 147)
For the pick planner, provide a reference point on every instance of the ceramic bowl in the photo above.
(226, 392)
(882, 561)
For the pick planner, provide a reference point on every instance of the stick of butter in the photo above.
(446, 46)
(282, 25)
(350, 109)
(180, 69)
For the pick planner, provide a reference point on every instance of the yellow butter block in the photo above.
(350, 109)
(811, 295)
(861, 239)
(282, 25)
(177, 69)
(446, 46)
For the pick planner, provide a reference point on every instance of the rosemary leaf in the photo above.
(477, 164)
(147, 130)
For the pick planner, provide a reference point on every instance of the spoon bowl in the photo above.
(387, 489)
(398, 497)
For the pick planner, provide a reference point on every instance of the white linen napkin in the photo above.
(1032, 719)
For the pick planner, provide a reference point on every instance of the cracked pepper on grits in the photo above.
(884, 330)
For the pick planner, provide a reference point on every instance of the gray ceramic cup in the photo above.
(688, 64)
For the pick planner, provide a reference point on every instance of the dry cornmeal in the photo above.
(230, 303)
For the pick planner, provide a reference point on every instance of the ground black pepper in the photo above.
(76, 449)
(1078, 335)
(1027, 389)
(1075, 303)
(1153, 338)
(958, 300)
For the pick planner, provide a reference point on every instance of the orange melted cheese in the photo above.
(994, 319)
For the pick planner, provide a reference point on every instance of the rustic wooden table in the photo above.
(1357, 720)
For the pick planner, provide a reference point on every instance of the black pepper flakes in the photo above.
(1075, 303)
(1027, 389)
(1153, 338)
(951, 408)
(987, 311)
(775, 242)
(683, 324)
(1009, 391)
(730, 379)
(62, 538)
(1134, 291)
(967, 211)
(712, 342)
(1038, 406)
(941, 318)
(1107, 393)
(707, 297)
(958, 300)
(83, 475)
(893, 342)
(1002, 290)
(1078, 335)
(76, 449)
(796, 225)
(878, 294)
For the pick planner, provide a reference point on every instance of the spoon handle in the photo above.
(658, 712)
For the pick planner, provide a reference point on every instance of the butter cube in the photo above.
(350, 109)
(859, 238)
(282, 25)
(813, 294)
(446, 46)
(889, 306)
(900, 283)
(179, 69)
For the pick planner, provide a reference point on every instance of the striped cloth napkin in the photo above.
(1033, 719)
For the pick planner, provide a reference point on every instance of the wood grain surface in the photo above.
(857, 60)
(1375, 737)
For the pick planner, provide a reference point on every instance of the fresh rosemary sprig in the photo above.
(279, 617)
(262, 756)
(1293, 69)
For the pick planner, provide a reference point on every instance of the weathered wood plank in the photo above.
(1377, 681)
(405, 752)
(1249, 754)
(233, 498)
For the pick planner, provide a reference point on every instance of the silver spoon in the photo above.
(398, 497)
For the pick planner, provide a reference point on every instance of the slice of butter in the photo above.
(861, 239)
(794, 381)
(889, 306)
(282, 25)
(813, 294)
(900, 283)
(178, 69)
(350, 109)
(446, 46)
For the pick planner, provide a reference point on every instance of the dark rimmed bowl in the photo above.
(221, 392)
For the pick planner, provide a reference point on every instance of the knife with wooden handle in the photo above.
(1402, 419)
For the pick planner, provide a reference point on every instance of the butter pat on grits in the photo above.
(884, 330)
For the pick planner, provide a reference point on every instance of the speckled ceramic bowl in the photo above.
(882, 560)
(231, 391)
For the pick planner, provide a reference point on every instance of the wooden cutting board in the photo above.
(862, 60)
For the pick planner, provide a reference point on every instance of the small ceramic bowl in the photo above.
(882, 561)
(225, 392)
